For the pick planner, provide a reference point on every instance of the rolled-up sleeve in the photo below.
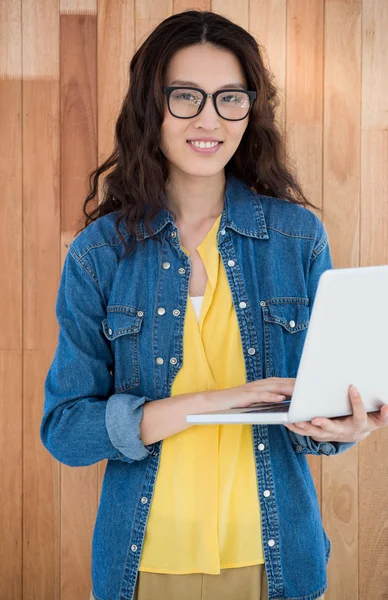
(320, 261)
(83, 420)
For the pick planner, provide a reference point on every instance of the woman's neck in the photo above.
(194, 199)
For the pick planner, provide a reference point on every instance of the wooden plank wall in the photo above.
(63, 73)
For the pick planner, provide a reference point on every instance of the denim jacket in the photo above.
(115, 352)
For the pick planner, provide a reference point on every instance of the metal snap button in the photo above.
(231, 263)
(133, 547)
(144, 500)
(173, 360)
(161, 311)
(140, 313)
(251, 351)
(271, 543)
(262, 303)
(242, 305)
(266, 493)
(176, 312)
(182, 271)
(166, 265)
(110, 331)
(292, 323)
(261, 446)
(159, 360)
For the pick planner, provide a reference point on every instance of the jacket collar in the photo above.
(242, 212)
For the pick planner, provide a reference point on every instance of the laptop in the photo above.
(346, 343)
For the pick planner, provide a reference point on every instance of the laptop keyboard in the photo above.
(268, 408)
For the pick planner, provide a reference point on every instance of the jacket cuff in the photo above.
(123, 416)
(305, 445)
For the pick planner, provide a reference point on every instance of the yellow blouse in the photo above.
(205, 513)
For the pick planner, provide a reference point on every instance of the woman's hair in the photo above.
(134, 187)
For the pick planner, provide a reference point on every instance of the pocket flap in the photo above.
(291, 313)
(122, 320)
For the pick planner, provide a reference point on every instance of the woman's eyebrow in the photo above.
(237, 84)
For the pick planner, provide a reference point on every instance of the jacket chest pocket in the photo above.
(122, 327)
(285, 328)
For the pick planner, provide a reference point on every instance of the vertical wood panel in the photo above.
(267, 23)
(238, 12)
(374, 250)
(76, 7)
(304, 112)
(115, 46)
(304, 94)
(341, 201)
(148, 14)
(181, 5)
(78, 66)
(11, 441)
(41, 271)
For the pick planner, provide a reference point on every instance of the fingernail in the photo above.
(354, 391)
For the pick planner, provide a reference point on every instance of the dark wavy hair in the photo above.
(134, 187)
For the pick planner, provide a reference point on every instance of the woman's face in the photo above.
(209, 68)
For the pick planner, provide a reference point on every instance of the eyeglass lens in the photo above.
(231, 105)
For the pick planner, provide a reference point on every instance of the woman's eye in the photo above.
(231, 98)
(185, 97)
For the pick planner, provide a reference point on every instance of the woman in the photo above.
(207, 309)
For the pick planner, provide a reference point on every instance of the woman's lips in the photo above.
(205, 150)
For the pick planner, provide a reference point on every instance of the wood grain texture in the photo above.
(304, 92)
(266, 17)
(76, 7)
(341, 202)
(148, 15)
(181, 5)
(78, 135)
(64, 72)
(11, 334)
(304, 112)
(373, 485)
(238, 12)
(41, 272)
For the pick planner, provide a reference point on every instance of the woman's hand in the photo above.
(271, 389)
(353, 428)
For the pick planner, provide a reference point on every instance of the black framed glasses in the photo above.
(230, 104)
